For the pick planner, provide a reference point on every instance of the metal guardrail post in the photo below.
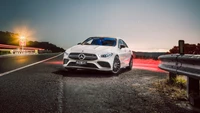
(193, 86)
(181, 47)
(173, 76)
(193, 91)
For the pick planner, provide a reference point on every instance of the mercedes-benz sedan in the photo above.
(99, 53)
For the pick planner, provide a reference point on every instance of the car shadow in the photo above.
(87, 73)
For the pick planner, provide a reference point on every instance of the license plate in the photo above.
(81, 62)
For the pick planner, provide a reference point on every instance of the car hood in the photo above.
(90, 48)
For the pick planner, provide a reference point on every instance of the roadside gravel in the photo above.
(130, 92)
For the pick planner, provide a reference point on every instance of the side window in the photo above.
(120, 42)
(125, 44)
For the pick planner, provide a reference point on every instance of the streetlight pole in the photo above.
(22, 42)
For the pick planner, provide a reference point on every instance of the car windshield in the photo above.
(102, 41)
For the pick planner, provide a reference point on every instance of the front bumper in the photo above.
(102, 64)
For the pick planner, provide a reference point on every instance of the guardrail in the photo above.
(188, 65)
(181, 64)
(184, 64)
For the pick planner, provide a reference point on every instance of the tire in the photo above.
(116, 65)
(130, 64)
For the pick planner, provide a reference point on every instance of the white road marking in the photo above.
(8, 72)
(60, 97)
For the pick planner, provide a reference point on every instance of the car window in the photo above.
(120, 42)
(102, 41)
(125, 44)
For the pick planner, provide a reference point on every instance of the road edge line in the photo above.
(23, 67)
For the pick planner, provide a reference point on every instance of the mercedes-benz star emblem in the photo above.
(81, 56)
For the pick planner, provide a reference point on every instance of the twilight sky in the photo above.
(146, 25)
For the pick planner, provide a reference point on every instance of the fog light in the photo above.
(65, 61)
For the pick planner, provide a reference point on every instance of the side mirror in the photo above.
(79, 43)
(122, 46)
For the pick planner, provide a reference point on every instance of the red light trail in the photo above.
(145, 64)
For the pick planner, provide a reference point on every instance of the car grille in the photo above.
(88, 65)
(87, 56)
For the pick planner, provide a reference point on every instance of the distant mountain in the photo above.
(148, 55)
(13, 39)
(45, 45)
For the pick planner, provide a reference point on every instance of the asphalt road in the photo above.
(47, 87)
(8, 63)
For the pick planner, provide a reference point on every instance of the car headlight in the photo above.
(106, 55)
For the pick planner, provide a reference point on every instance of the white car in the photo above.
(99, 53)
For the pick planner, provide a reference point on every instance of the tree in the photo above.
(188, 49)
(13, 39)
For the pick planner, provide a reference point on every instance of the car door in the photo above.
(128, 54)
(121, 53)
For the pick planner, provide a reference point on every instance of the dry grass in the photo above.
(176, 91)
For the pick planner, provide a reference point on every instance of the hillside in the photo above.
(148, 55)
(13, 39)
